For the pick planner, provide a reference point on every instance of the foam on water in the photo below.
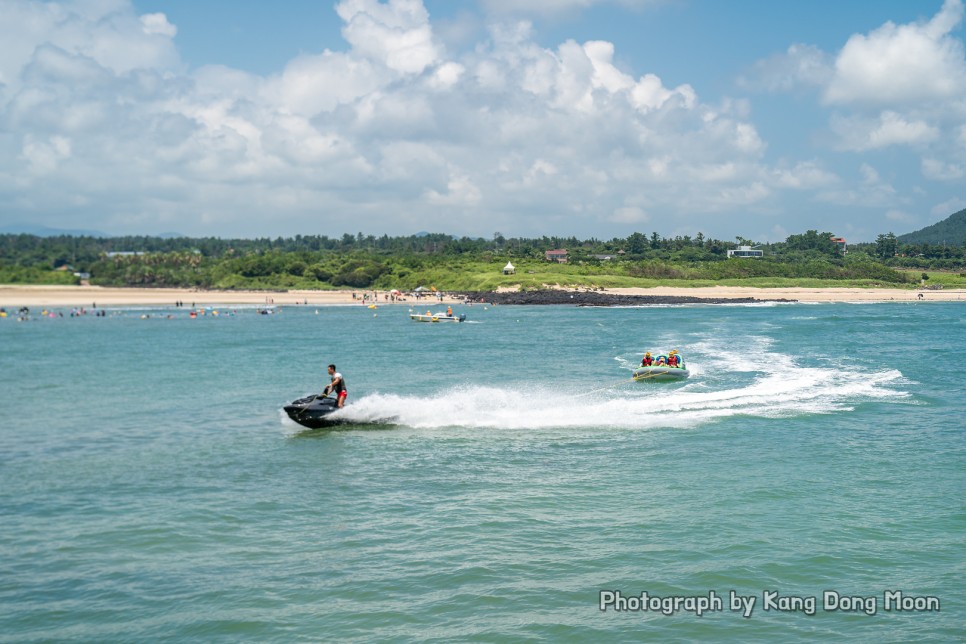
(771, 385)
(761, 383)
(488, 407)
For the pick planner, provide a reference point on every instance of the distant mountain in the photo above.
(44, 231)
(950, 231)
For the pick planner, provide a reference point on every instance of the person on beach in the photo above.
(337, 386)
(648, 361)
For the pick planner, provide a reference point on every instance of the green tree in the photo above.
(886, 246)
(636, 244)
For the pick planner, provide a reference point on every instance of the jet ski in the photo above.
(313, 412)
(436, 317)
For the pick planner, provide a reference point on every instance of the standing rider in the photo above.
(337, 386)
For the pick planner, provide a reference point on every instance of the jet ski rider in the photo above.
(337, 386)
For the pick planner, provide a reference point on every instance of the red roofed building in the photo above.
(840, 242)
(559, 256)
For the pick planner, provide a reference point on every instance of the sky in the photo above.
(586, 118)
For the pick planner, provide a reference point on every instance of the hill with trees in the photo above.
(951, 231)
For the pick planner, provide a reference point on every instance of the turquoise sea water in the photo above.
(507, 473)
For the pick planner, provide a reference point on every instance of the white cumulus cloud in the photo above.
(799, 66)
(888, 129)
(390, 131)
(396, 34)
(157, 23)
(908, 63)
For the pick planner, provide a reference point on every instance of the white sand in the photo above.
(87, 296)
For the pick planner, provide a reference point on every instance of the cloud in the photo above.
(938, 170)
(107, 32)
(890, 128)
(391, 132)
(870, 192)
(629, 215)
(43, 156)
(396, 34)
(460, 191)
(898, 85)
(157, 23)
(552, 8)
(948, 207)
(900, 216)
(901, 64)
(800, 66)
(805, 175)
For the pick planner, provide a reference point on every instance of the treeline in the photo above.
(364, 261)
(892, 252)
(10, 274)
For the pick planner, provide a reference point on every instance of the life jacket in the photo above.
(672, 361)
(647, 361)
(339, 387)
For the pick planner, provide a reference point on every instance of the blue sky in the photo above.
(529, 117)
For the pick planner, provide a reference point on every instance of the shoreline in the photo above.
(89, 296)
(17, 295)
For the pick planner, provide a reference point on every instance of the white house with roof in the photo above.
(745, 251)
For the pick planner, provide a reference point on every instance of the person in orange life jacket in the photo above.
(648, 361)
(337, 385)
(449, 311)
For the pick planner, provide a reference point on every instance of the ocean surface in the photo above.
(504, 480)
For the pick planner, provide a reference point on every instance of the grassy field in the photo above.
(480, 276)
(947, 279)
(477, 275)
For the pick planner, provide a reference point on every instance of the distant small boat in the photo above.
(436, 317)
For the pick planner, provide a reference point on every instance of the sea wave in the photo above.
(780, 392)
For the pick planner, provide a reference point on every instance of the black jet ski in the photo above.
(313, 412)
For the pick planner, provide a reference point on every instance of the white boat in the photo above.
(435, 317)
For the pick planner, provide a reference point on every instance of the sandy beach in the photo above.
(89, 296)
(803, 294)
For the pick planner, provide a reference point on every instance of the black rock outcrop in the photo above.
(595, 298)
